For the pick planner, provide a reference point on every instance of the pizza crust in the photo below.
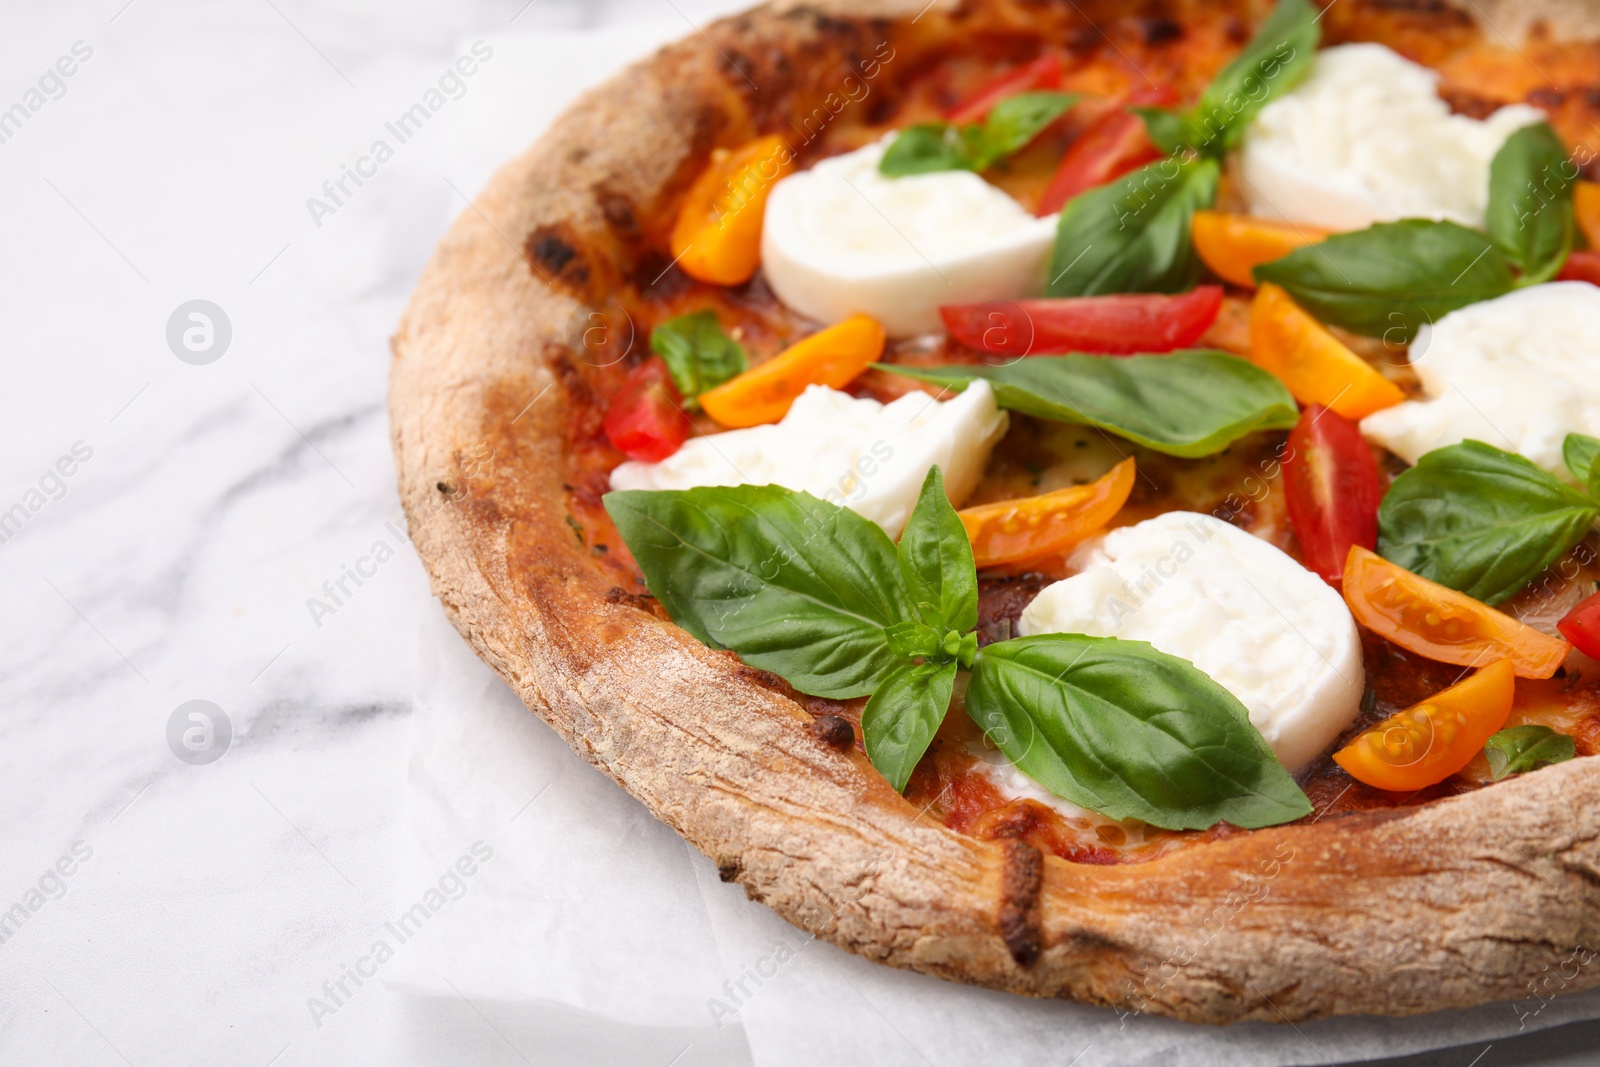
(1458, 902)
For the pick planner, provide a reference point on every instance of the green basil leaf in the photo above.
(1167, 129)
(1272, 62)
(1120, 728)
(793, 584)
(1014, 123)
(1579, 450)
(1187, 403)
(915, 640)
(1132, 235)
(1530, 201)
(1390, 279)
(932, 146)
(1481, 520)
(936, 557)
(903, 715)
(697, 353)
(1520, 749)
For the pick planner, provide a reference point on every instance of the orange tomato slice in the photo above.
(1586, 211)
(1234, 245)
(1440, 623)
(830, 357)
(1311, 362)
(1430, 741)
(1015, 530)
(717, 235)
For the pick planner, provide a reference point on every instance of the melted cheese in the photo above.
(854, 452)
(1366, 138)
(1263, 627)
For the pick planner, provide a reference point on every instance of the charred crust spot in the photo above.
(729, 870)
(1021, 878)
(619, 214)
(835, 732)
(446, 488)
(1158, 30)
(618, 595)
(555, 255)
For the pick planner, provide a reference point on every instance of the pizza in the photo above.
(1087, 503)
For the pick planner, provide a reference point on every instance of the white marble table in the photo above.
(187, 522)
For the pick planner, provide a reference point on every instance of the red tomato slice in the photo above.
(1581, 266)
(1110, 148)
(1582, 627)
(1114, 325)
(1331, 484)
(1042, 73)
(645, 421)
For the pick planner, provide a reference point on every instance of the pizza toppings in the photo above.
(1375, 211)
(1330, 483)
(850, 451)
(1366, 138)
(1518, 372)
(1266, 629)
(717, 237)
(1430, 741)
(1014, 531)
(1121, 324)
(1440, 623)
(645, 421)
(1233, 246)
(833, 357)
(1316, 367)
(842, 238)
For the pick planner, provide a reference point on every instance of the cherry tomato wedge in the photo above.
(1035, 526)
(644, 421)
(831, 357)
(1315, 365)
(1428, 742)
(1582, 627)
(1114, 145)
(1116, 325)
(1042, 73)
(717, 235)
(1586, 211)
(1233, 246)
(1331, 486)
(1581, 266)
(1440, 623)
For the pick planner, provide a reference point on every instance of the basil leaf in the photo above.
(1167, 129)
(936, 557)
(929, 147)
(1520, 749)
(1132, 235)
(1530, 201)
(903, 715)
(1120, 728)
(1014, 123)
(697, 353)
(793, 584)
(1389, 279)
(1272, 62)
(1011, 125)
(1579, 451)
(1187, 403)
(1481, 520)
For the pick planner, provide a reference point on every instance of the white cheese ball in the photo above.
(1519, 372)
(1263, 627)
(1366, 138)
(842, 238)
(855, 452)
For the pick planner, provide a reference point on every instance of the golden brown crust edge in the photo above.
(1464, 901)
